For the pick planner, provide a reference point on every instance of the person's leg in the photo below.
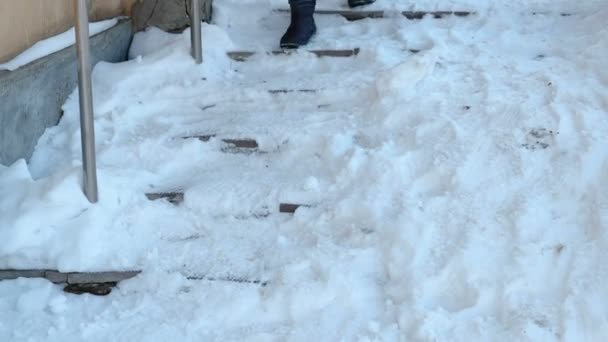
(356, 3)
(302, 26)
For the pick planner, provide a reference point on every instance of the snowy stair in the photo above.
(178, 197)
(238, 280)
(290, 208)
(101, 283)
(233, 144)
(351, 15)
(97, 283)
(412, 15)
(288, 91)
(260, 217)
(241, 56)
(69, 277)
(175, 198)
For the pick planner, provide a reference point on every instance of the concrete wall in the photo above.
(24, 22)
(32, 96)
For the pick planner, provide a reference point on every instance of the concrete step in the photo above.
(229, 280)
(69, 277)
(101, 283)
(412, 15)
(233, 145)
(291, 208)
(177, 198)
(288, 91)
(96, 283)
(241, 56)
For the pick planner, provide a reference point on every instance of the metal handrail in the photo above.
(195, 31)
(85, 88)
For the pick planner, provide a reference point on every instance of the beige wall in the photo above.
(24, 22)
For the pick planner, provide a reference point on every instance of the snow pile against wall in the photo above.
(51, 45)
(33, 94)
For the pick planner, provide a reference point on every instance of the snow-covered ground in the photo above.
(458, 194)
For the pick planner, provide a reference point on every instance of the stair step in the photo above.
(242, 143)
(412, 15)
(287, 91)
(70, 277)
(230, 280)
(15, 274)
(99, 277)
(291, 208)
(241, 56)
(563, 14)
(175, 198)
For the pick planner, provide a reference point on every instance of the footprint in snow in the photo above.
(539, 139)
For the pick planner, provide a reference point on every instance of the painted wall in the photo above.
(24, 22)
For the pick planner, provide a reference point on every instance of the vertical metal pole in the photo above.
(195, 31)
(87, 130)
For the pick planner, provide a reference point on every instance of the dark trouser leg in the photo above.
(302, 26)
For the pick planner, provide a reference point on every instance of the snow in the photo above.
(53, 44)
(457, 194)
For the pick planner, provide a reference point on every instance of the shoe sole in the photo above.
(290, 46)
(360, 3)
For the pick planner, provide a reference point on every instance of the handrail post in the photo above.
(195, 31)
(85, 90)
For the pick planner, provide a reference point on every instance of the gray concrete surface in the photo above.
(14, 274)
(31, 96)
(70, 278)
(100, 277)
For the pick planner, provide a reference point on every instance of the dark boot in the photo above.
(356, 3)
(302, 26)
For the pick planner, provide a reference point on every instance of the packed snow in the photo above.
(53, 44)
(457, 194)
